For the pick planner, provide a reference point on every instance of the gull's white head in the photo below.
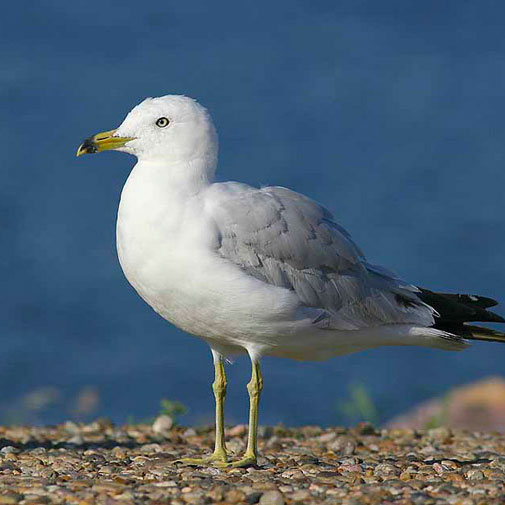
(170, 129)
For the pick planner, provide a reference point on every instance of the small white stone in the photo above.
(162, 424)
(9, 449)
(327, 437)
(72, 428)
(76, 439)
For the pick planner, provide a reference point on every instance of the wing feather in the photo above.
(285, 239)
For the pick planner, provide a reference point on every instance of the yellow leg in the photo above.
(219, 388)
(254, 388)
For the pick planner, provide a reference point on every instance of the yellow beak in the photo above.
(102, 142)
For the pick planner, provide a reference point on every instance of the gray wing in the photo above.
(285, 239)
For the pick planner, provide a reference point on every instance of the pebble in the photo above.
(72, 428)
(365, 428)
(10, 498)
(272, 498)
(301, 495)
(440, 434)
(327, 437)
(385, 469)
(193, 498)
(293, 473)
(253, 497)
(235, 496)
(76, 440)
(265, 431)
(9, 449)
(237, 431)
(162, 425)
(475, 475)
(343, 445)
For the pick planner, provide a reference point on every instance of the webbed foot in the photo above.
(218, 457)
(246, 461)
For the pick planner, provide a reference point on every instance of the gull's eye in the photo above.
(162, 122)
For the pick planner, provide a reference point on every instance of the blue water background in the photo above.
(389, 113)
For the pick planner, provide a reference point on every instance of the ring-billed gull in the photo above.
(263, 271)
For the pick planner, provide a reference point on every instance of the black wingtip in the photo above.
(476, 300)
(460, 308)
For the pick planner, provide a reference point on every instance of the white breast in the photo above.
(166, 248)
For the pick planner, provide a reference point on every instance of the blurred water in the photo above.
(390, 113)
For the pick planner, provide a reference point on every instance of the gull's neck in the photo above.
(183, 178)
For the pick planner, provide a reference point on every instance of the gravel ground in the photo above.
(103, 464)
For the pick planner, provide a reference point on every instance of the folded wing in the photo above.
(285, 239)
